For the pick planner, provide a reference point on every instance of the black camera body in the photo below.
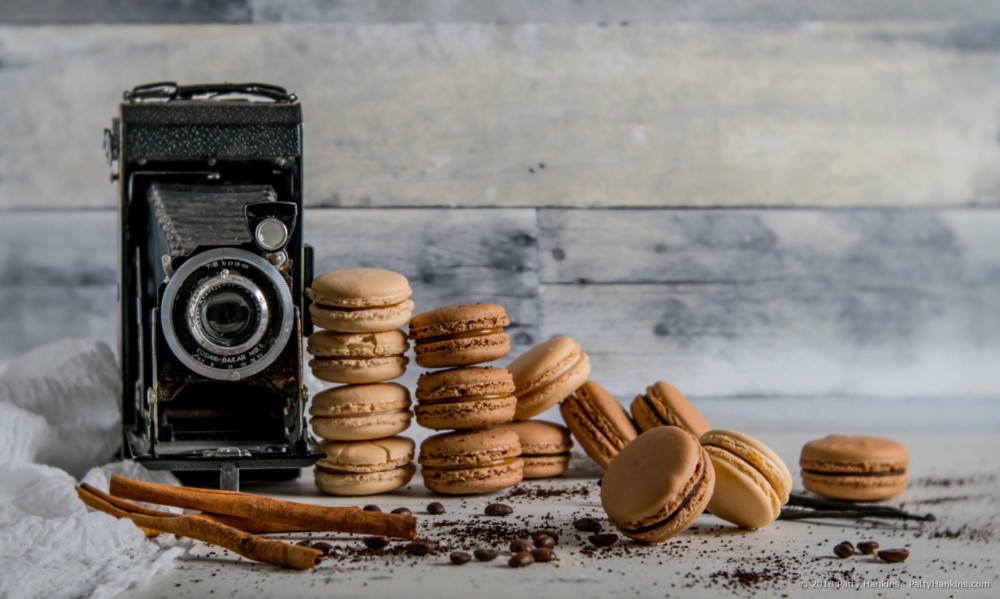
(212, 273)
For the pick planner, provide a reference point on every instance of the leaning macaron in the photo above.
(463, 463)
(360, 300)
(545, 447)
(664, 405)
(365, 467)
(854, 467)
(598, 422)
(658, 485)
(360, 412)
(751, 481)
(548, 373)
(460, 335)
(465, 398)
(358, 357)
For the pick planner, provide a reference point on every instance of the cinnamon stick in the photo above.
(265, 514)
(250, 546)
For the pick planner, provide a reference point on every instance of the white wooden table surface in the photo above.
(954, 476)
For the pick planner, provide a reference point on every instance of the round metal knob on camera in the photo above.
(271, 234)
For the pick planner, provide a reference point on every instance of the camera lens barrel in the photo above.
(227, 313)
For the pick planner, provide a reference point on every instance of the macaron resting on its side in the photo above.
(546, 374)
(464, 463)
(854, 467)
(358, 357)
(751, 481)
(360, 300)
(365, 467)
(460, 335)
(598, 422)
(658, 485)
(664, 405)
(544, 447)
(360, 412)
(465, 398)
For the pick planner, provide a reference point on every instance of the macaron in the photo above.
(360, 412)
(463, 463)
(358, 357)
(460, 335)
(360, 300)
(751, 481)
(664, 405)
(598, 422)
(546, 374)
(365, 467)
(658, 485)
(544, 447)
(465, 398)
(854, 467)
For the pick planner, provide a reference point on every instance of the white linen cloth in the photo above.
(59, 418)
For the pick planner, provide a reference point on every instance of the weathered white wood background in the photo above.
(769, 203)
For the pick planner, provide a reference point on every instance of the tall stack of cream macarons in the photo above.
(362, 346)
(465, 398)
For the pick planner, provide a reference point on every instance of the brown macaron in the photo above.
(854, 467)
(365, 467)
(360, 412)
(545, 447)
(598, 422)
(548, 373)
(358, 357)
(658, 485)
(464, 463)
(465, 398)
(460, 335)
(360, 300)
(664, 405)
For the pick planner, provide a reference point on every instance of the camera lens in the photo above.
(227, 316)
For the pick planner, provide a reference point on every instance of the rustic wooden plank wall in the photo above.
(756, 200)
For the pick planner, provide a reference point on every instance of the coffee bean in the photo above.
(518, 545)
(372, 508)
(376, 542)
(498, 509)
(868, 547)
(420, 547)
(326, 548)
(544, 541)
(486, 555)
(460, 557)
(604, 539)
(894, 556)
(435, 508)
(587, 524)
(538, 534)
(543, 554)
(520, 559)
(402, 511)
(305, 543)
(844, 550)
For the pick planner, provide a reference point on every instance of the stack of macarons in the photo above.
(361, 346)
(465, 398)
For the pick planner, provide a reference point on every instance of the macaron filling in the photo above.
(662, 519)
(894, 472)
(463, 399)
(461, 335)
(332, 307)
(655, 411)
(493, 464)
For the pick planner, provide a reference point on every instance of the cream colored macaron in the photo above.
(365, 467)
(751, 481)
(360, 300)
(361, 412)
(546, 374)
(358, 357)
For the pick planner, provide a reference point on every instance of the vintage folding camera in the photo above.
(212, 273)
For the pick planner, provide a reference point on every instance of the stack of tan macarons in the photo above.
(361, 311)
(467, 399)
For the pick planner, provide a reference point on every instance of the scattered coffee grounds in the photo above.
(305, 543)
(498, 509)
(603, 539)
(376, 542)
(894, 556)
(402, 511)
(486, 555)
(326, 548)
(520, 559)
(543, 540)
(435, 508)
(519, 545)
(843, 550)
(543, 554)
(587, 524)
(420, 547)
(532, 492)
(460, 557)
(372, 508)
(868, 547)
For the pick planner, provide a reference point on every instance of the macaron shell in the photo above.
(360, 288)
(462, 352)
(463, 382)
(598, 422)
(362, 320)
(742, 495)
(545, 466)
(534, 403)
(359, 370)
(351, 400)
(330, 344)
(665, 405)
(367, 456)
(469, 449)
(685, 515)
(471, 481)
(466, 414)
(465, 318)
(854, 453)
(855, 488)
(361, 428)
(761, 457)
(370, 483)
